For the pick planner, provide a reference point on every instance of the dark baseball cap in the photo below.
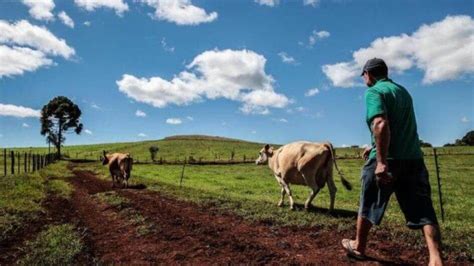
(374, 64)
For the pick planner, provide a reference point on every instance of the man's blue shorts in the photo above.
(412, 188)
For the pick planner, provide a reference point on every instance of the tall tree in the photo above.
(58, 117)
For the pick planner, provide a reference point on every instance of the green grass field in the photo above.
(252, 192)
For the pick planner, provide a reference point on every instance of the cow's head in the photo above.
(104, 158)
(263, 155)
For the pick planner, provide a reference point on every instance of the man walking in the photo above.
(394, 164)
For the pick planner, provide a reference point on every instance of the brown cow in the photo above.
(120, 166)
(303, 163)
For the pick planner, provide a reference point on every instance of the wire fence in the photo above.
(15, 163)
(231, 158)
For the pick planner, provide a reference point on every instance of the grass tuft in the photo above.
(57, 245)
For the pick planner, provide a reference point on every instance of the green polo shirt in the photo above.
(392, 100)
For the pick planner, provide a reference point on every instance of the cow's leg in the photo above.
(332, 191)
(125, 179)
(313, 193)
(290, 197)
(311, 182)
(280, 203)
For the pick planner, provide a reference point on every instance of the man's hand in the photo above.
(366, 153)
(382, 174)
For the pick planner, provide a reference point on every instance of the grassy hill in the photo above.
(206, 148)
(170, 148)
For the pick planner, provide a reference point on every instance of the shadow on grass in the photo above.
(337, 213)
(136, 186)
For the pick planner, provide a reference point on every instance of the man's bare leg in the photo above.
(433, 241)
(363, 228)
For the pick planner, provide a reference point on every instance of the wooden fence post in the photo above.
(182, 174)
(439, 184)
(25, 166)
(33, 161)
(12, 156)
(5, 161)
(19, 161)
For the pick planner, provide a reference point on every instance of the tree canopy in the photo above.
(58, 117)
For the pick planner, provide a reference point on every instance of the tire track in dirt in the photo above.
(187, 233)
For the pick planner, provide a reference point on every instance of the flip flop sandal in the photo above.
(346, 244)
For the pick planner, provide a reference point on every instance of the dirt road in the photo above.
(151, 228)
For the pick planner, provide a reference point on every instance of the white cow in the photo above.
(303, 163)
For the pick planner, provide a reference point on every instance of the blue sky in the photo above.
(267, 71)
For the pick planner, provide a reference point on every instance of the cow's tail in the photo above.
(344, 181)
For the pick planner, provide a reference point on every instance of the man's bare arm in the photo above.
(381, 130)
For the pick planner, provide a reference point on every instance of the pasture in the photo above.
(31, 224)
(252, 192)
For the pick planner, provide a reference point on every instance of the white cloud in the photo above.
(237, 75)
(317, 36)
(443, 50)
(181, 12)
(25, 34)
(66, 19)
(25, 125)
(285, 58)
(319, 115)
(18, 111)
(283, 120)
(166, 47)
(190, 118)
(344, 145)
(311, 92)
(140, 113)
(312, 3)
(88, 132)
(173, 121)
(142, 135)
(95, 106)
(300, 109)
(464, 119)
(26, 47)
(40, 9)
(254, 132)
(17, 60)
(342, 74)
(271, 3)
(87, 23)
(90, 5)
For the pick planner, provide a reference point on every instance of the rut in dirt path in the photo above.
(57, 211)
(183, 232)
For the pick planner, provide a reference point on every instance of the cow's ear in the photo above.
(267, 147)
(270, 151)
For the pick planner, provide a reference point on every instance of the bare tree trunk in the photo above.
(58, 144)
